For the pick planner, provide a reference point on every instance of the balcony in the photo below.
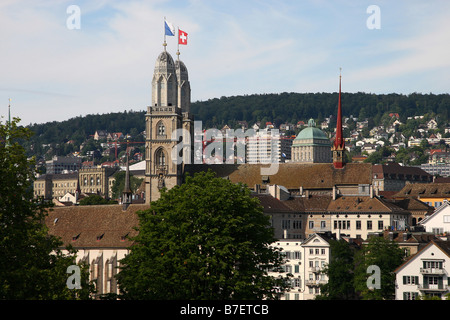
(436, 271)
(315, 283)
(432, 287)
(314, 269)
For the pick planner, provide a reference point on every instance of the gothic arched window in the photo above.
(160, 157)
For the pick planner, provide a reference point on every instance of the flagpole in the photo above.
(178, 44)
(164, 44)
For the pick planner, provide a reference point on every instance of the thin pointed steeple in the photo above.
(126, 194)
(339, 143)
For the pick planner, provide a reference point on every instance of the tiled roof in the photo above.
(412, 204)
(395, 168)
(432, 190)
(96, 226)
(313, 203)
(363, 204)
(292, 175)
(271, 204)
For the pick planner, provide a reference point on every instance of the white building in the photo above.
(267, 146)
(305, 260)
(425, 274)
(439, 221)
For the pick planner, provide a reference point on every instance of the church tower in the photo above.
(338, 147)
(168, 113)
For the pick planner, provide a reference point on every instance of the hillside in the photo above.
(275, 108)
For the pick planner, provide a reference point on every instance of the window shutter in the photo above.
(404, 279)
(405, 296)
(416, 280)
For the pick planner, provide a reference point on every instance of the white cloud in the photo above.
(233, 48)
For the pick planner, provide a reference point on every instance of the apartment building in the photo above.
(305, 261)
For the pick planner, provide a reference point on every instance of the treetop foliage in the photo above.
(206, 239)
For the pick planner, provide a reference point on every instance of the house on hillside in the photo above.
(100, 134)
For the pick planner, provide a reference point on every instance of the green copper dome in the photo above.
(311, 133)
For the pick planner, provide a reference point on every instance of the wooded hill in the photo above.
(275, 108)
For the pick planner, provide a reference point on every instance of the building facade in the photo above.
(59, 165)
(425, 274)
(305, 260)
(439, 221)
(168, 124)
(311, 146)
(86, 180)
(393, 177)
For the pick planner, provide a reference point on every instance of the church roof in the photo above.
(291, 175)
(96, 226)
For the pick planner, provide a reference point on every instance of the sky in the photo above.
(58, 63)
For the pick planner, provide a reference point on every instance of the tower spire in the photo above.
(339, 143)
(126, 194)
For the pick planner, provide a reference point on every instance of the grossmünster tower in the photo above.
(169, 111)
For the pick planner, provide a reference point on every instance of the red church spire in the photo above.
(339, 143)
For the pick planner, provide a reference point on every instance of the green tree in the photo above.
(31, 264)
(205, 239)
(340, 273)
(384, 254)
(119, 184)
(95, 199)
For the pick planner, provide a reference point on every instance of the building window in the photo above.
(161, 129)
(297, 224)
(410, 295)
(358, 224)
(160, 157)
(369, 225)
(411, 280)
(311, 224)
(380, 225)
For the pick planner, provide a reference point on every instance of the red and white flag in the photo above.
(182, 37)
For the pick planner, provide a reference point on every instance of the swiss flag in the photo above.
(182, 37)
